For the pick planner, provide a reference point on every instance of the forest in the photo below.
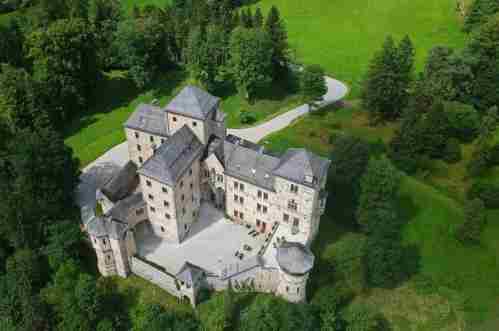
(53, 59)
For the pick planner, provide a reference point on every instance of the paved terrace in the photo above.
(211, 244)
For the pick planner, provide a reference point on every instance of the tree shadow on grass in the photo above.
(168, 84)
(113, 90)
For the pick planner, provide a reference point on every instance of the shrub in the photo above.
(464, 121)
(360, 317)
(452, 151)
(247, 117)
(469, 232)
(485, 191)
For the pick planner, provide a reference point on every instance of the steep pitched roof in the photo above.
(193, 102)
(173, 157)
(148, 118)
(295, 258)
(104, 226)
(121, 184)
(297, 163)
(249, 165)
(122, 209)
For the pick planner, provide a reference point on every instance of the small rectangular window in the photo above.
(141, 159)
(148, 183)
(190, 171)
(265, 209)
(167, 216)
(151, 197)
(174, 119)
(152, 209)
(236, 185)
(166, 204)
(235, 197)
(182, 184)
(236, 213)
(182, 197)
(241, 215)
(194, 123)
(241, 187)
(191, 186)
(241, 200)
(162, 140)
(164, 189)
(183, 211)
(151, 139)
(137, 135)
(285, 218)
(258, 207)
(265, 196)
(139, 148)
(162, 229)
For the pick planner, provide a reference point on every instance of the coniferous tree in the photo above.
(379, 186)
(484, 48)
(313, 84)
(274, 26)
(479, 12)
(258, 18)
(247, 18)
(250, 60)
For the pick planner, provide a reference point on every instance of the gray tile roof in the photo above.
(104, 226)
(297, 163)
(295, 258)
(122, 183)
(188, 273)
(249, 165)
(122, 209)
(193, 102)
(148, 118)
(173, 157)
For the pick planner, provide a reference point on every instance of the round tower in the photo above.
(295, 262)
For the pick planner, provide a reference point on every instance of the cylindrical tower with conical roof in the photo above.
(295, 262)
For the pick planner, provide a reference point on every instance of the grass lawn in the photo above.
(101, 127)
(456, 285)
(316, 131)
(342, 35)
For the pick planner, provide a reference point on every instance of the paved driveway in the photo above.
(336, 90)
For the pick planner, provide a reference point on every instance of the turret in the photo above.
(295, 263)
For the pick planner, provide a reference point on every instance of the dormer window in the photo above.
(137, 135)
(293, 188)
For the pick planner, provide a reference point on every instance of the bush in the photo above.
(360, 317)
(485, 191)
(452, 151)
(464, 121)
(247, 117)
(475, 219)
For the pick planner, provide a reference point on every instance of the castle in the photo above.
(196, 208)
